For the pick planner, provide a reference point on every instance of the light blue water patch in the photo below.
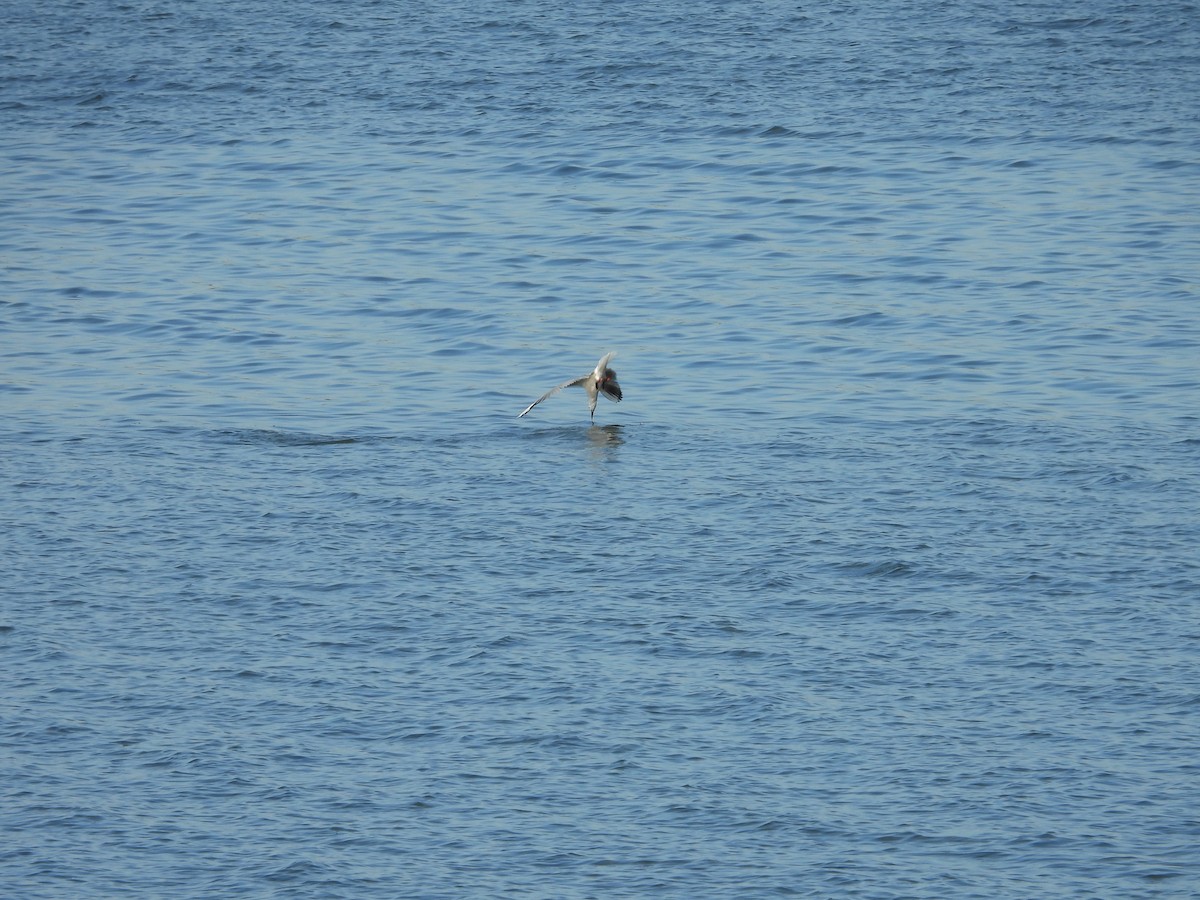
(878, 582)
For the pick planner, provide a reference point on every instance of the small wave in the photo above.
(268, 437)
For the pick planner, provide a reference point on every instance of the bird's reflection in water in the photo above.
(605, 439)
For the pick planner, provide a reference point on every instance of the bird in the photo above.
(601, 380)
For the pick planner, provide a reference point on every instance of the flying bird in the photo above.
(601, 380)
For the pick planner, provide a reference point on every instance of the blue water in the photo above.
(881, 582)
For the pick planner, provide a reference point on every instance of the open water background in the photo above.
(882, 581)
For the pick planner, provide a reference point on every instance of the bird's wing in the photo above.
(603, 364)
(553, 391)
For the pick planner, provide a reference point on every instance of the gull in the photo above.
(601, 380)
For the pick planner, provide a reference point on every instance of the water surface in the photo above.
(880, 582)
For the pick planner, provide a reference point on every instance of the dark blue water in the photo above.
(880, 582)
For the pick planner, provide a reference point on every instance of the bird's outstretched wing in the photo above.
(603, 364)
(553, 391)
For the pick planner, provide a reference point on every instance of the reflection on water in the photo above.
(605, 440)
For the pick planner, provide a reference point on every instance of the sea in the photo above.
(882, 580)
